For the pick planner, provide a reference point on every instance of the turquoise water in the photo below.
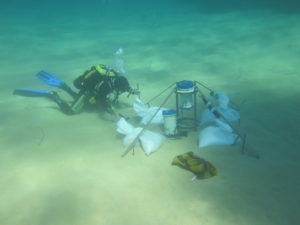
(58, 169)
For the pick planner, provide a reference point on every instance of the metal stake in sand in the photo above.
(131, 146)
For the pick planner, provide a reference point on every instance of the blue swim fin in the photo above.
(35, 93)
(50, 79)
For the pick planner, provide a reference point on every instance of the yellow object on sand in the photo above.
(200, 167)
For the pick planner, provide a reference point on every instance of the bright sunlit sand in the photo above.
(58, 169)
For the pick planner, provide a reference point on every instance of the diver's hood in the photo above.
(121, 84)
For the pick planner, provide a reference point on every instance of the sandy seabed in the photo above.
(58, 169)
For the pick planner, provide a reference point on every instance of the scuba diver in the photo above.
(99, 86)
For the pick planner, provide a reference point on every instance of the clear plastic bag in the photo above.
(119, 61)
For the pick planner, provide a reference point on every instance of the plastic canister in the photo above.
(185, 89)
(170, 124)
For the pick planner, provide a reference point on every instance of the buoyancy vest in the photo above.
(94, 77)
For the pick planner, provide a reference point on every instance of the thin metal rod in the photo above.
(212, 92)
(195, 105)
(204, 86)
(159, 94)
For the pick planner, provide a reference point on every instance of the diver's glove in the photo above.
(134, 91)
(110, 109)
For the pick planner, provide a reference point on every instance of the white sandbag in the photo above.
(129, 138)
(147, 113)
(207, 117)
(149, 140)
(217, 135)
(229, 114)
(123, 127)
(139, 107)
(224, 125)
(223, 99)
(158, 119)
(223, 108)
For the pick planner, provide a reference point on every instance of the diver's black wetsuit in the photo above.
(99, 86)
